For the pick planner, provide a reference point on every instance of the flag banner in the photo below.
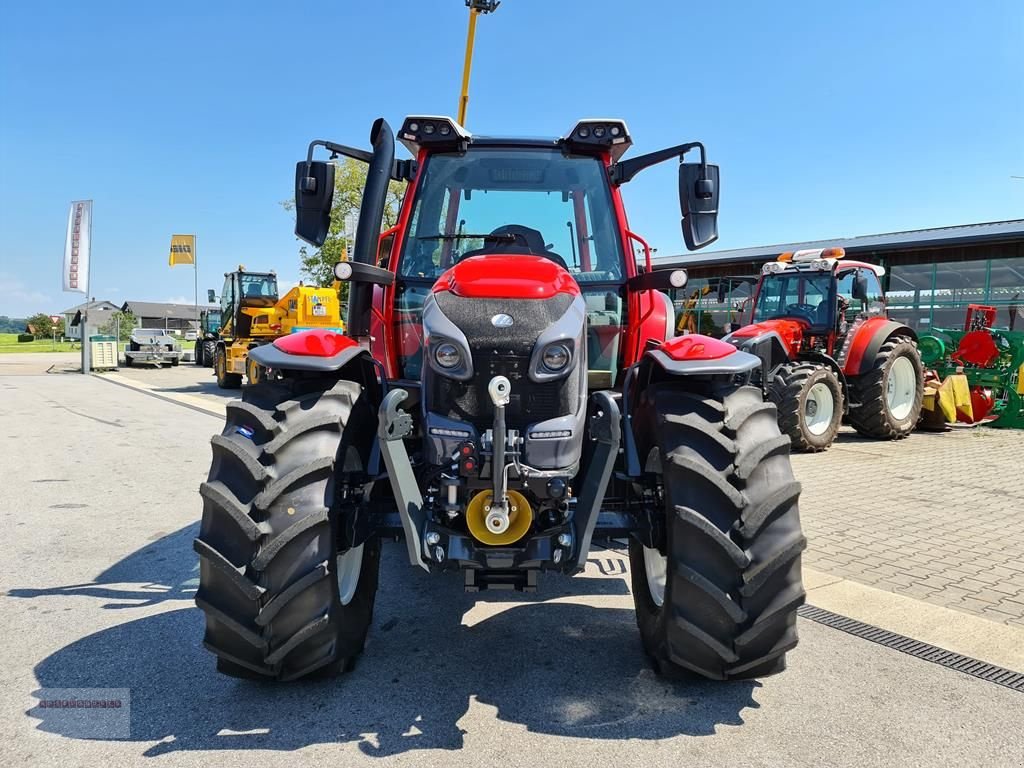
(183, 250)
(77, 247)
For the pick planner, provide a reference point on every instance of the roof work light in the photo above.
(435, 131)
(595, 135)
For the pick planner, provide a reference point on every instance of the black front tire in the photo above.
(209, 348)
(225, 380)
(732, 539)
(268, 545)
(872, 413)
(197, 355)
(794, 391)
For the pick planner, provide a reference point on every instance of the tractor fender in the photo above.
(696, 354)
(314, 350)
(692, 354)
(869, 338)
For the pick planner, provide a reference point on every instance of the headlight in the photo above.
(343, 270)
(556, 357)
(447, 355)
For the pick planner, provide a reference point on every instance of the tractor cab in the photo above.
(816, 295)
(210, 321)
(245, 290)
(520, 201)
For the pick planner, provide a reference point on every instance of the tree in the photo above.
(349, 181)
(123, 322)
(42, 327)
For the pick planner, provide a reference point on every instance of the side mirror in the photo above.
(211, 296)
(860, 288)
(314, 196)
(698, 200)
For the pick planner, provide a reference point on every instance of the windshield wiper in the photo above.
(504, 237)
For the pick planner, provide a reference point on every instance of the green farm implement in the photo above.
(990, 359)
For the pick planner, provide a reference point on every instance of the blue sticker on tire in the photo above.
(245, 431)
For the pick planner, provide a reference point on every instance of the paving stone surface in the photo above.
(936, 517)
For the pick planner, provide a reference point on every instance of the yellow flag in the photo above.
(183, 250)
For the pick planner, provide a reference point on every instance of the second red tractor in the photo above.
(829, 349)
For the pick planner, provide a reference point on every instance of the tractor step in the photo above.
(479, 579)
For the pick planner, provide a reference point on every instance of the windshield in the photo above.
(514, 201)
(800, 295)
(259, 286)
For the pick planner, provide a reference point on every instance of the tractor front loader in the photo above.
(828, 349)
(507, 391)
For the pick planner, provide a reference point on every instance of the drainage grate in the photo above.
(980, 669)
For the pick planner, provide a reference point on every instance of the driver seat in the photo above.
(527, 240)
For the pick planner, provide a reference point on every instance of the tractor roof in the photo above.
(442, 134)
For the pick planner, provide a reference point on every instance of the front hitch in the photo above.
(497, 518)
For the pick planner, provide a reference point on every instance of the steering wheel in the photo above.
(516, 238)
(806, 310)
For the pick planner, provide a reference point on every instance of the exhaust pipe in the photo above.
(371, 212)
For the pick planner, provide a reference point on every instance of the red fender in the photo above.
(870, 336)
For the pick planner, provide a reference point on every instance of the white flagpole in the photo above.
(195, 267)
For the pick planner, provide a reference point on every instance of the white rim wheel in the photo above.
(900, 388)
(656, 566)
(819, 408)
(350, 565)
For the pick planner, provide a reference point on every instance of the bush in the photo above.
(26, 337)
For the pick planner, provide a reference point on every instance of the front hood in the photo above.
(790, 330)
(504, 276)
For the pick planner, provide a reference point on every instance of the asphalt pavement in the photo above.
(100, 507)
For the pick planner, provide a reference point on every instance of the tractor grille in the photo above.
(501, 352)
(530, 402)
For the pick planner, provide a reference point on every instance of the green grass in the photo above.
(9, 343)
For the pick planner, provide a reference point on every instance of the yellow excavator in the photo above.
(253, 314)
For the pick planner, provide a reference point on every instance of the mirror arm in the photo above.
(401, 170)
(625, 170)
(338, 149)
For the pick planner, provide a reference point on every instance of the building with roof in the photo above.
(99, 313)
(931, 275)
(171, 317)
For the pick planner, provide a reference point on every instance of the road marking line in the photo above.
(189, 401)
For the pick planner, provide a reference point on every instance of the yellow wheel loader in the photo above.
(254, 314)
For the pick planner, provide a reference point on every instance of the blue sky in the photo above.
(828, 119)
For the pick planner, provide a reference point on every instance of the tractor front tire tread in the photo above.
(870, 415)
(733, 584)
(268, 561)
(789, 389)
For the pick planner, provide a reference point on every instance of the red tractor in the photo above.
(507, 392)
(828, 349)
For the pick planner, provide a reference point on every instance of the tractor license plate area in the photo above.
(498, 567)
(319, 310)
